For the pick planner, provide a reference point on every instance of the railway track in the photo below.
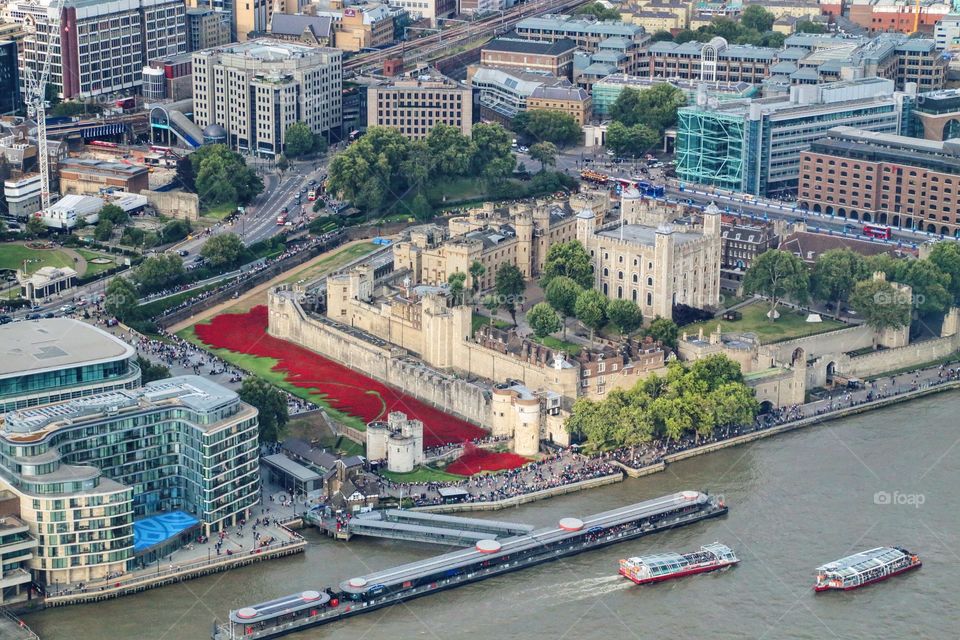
(450, 39)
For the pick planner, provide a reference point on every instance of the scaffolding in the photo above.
(711, 148)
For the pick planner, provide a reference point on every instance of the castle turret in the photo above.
(523, 224)
(664, 247)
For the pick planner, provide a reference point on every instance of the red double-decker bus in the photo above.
(877, 231)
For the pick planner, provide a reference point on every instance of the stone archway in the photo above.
(896, 221)
(816, 208)
(882, 218)
(867, 217)
(766, 407)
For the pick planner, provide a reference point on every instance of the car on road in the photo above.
(312, 183)
(67, 308)
(183, 253)
(5, 319)
(49, 314)
(35, 307)
(522, 149)
(285, 209)
(33, 316)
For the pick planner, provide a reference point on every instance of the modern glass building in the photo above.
(45, 361)
(10, 100)
(754, 146)
(606, 91)
(87, 468)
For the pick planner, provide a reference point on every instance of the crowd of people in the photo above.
(558, 469)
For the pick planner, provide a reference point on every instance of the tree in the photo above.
(175, 230)
(598, 11)
(493, 157)
(777, 275)
(757, 18)
(545, 153)
(544, 125)
(931, 286)
(159, 272)
(806, 26)
(456, 281)
(661, 36)
(299, 140)
(451, 151)
(223, 177)
(282, 163)
(946, 257)
(114, 214)
(150, 372)
(476, 272)
(664, 331)
(186, 175)
(132, 237)
(271, 404)
(103, 230)
(35, 227)
(655, 107)
(562, 293)
(420, 208)
(630, 141)
(835, 274)
(509, 286)
(369, 169)
(625, 315)
(733, 404)
(881, 305)
(223, 249)
(591, 310)
(568, 259)
(417, 166)
(120, 300)
(716, 370)
(543, 320)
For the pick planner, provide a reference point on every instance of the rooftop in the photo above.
(57, 343)
(287, 24)
(512, 43)
(101, 167)
(644, 235)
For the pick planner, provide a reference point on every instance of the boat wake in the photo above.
(576, 590)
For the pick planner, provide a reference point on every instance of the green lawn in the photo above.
(422, 474)
(332, 262)
(790, 324)
(479, 320)
(557, 344)
(93, 268)
(262, 367)
(13, 255)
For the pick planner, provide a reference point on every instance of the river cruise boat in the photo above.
(666, 566)
(865, 568)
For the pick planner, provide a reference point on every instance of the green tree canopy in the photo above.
(567, 259)
(103, 231)
(664, 331)
(175, 230)
(561, 294)
(451, 152)
(931, 286)
(36, 228)
(591, 310)
(121, 301)
(158, 272)
(299, 140)
(544, 125)
(881, 305)
(655, 108)
(132, 237)
(456, 281)
(757, 18)
(476, 272)
(631, 141)
(510, 287)
(150, 371)
(223, 177)
(271, 404)
(543, 320)
(545, 153)
(806, 26)
(661, 36)
(625, 315)
(777, 275)
(599, 11)
(493, 158)
(835, 274)
(114, 214)
(223, 249)
(946, 257)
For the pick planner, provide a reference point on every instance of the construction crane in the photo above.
(916, 18)
(36, 92)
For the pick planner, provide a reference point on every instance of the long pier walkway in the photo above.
(415, 526)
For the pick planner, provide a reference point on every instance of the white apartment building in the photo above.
(256, 89)
(103, 44)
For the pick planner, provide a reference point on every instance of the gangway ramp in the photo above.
(493, 528)
(432, 528)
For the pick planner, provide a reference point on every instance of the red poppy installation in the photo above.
(340, 387)
(474, 460)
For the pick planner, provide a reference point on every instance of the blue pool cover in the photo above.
(156, 529)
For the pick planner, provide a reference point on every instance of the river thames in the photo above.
(796, 501)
